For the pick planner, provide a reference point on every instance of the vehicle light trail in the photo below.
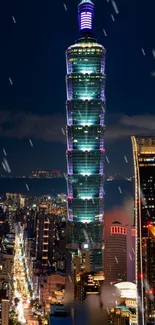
(21, 291)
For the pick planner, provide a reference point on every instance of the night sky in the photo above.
(32, 101)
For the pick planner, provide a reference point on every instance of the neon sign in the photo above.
(118, 230)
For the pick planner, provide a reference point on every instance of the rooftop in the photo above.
(127, 289)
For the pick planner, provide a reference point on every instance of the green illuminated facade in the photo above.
(85, 137)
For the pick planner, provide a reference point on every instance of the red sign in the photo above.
(118, 230)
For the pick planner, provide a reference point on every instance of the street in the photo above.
(22, 283)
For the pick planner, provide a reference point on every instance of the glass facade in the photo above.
(85, 108)
(144, 166)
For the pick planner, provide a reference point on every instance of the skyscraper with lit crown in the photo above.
(85, 138)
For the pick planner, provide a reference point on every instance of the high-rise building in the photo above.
(144, 168)
(85, 138)
(31, 223)
(116, 253)
(119, 250)
(42, 237)
(88, 283)
(58, 315)
(50, 241)
(57, 243)
(120, 316)
(131, 238)
(5, 312)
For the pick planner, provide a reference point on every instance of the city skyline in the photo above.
(32, 103)
(80, 255)
(88, 252)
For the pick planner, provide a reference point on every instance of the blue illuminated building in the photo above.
(85, 137)
(59, 316)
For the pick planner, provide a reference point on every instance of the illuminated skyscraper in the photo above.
(115, 253)
(42, 237)
(144, 166)
(88, 283)
(85, 138)
(119, 251)
(5, 312)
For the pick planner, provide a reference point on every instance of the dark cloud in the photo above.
(49, 127)
(126, 126)
(145, 122)
(24, 125)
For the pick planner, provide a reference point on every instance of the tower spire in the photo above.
(85, 15)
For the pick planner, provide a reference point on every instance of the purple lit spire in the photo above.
(85, 15)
